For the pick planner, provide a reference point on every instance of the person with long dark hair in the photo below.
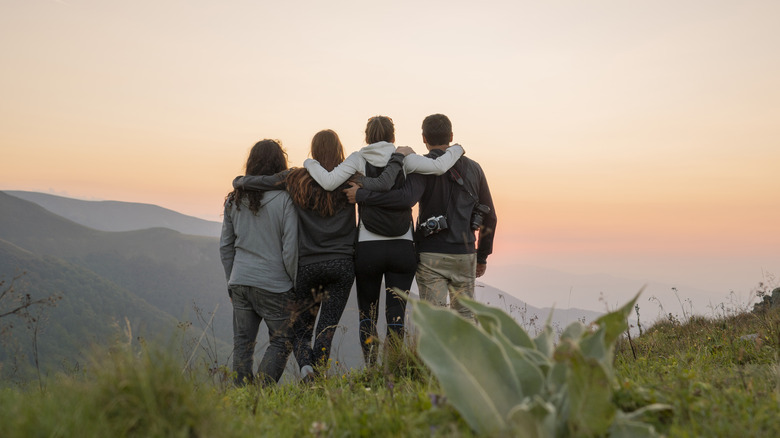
(259, 251)
(385, 247)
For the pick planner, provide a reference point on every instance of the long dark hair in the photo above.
(267, 157)
(327, 149)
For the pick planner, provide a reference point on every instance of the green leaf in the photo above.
(615, 322)
(544, 341)
(574, 331)
(590, 407)
(472, 367)
(534, 418)
(528, 373)
(496, 320)
(627, 425)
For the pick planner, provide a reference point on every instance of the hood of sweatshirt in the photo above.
(378, 154)
(269, 196)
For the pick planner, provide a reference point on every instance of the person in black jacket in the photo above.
(456, 221)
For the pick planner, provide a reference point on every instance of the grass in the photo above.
(721, 375)
(719, 383)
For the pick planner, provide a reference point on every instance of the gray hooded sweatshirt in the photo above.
(261, 250)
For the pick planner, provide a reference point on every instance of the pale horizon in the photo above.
(638, 139)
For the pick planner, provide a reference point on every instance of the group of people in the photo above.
(292, 244)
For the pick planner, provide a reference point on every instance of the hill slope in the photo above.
(120, 216)
(91, 310)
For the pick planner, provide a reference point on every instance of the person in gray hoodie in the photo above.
(259, 251)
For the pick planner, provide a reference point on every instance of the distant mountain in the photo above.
(120, 216)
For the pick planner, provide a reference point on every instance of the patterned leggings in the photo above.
(320, 288)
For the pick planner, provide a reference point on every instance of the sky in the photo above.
(638, 139)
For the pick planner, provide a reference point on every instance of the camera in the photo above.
(433, 225)
(477, 215)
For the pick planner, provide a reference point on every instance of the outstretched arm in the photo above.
(405, 197)
(414, 163)
(262, 182)
(336, 177)
(385, 181)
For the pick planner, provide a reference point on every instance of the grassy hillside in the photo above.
(91, 310)
(721, 376)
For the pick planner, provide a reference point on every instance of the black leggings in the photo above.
(396, 260)
(320, 288)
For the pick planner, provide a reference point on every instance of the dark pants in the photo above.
(251, 306)
(320, 288)
(396, 261)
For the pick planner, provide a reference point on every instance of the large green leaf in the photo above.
(527, 371)
(590, 407)
(615, 323)
(496, 320)
(534, 418)
(473, 369)
(545, 341)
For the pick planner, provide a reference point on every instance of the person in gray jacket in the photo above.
(259, 251)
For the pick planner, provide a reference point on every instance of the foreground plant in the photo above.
(504, 382)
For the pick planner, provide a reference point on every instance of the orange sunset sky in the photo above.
(634, 138)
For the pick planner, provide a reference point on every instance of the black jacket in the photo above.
(441, 195)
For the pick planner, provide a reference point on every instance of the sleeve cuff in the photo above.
(361, 195)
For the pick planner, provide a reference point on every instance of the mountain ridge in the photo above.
(119, 215)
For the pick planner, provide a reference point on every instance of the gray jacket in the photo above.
(261, 250)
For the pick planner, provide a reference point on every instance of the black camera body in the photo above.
(433, 225)
(478, 215)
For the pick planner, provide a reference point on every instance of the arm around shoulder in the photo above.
(428, 166)
(336, 177)
(385, 181)
(262, 182)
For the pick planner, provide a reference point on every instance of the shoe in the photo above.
(308, 374)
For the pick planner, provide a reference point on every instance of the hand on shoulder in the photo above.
(405, 150)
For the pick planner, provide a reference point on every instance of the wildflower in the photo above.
(317, 428)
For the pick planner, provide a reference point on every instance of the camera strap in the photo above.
(459, 179)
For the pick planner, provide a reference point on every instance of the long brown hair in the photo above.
(267, 157)
(326, 148)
